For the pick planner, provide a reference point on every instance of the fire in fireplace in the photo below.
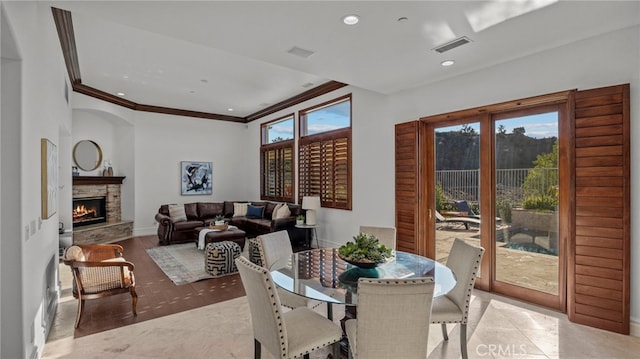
(88, 211)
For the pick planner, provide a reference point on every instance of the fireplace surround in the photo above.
(110, 229)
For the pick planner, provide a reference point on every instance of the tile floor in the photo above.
(498, 328)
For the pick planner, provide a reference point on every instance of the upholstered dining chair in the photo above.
(453, 307)
(99, 270)
(289, 334)
(386, 235)
(393, 318)
(275, 248)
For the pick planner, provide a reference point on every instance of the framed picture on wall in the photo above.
(195, 178)
(49, 178)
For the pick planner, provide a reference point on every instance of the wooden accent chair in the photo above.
(393, 318)
(289, 334)
(99, 270)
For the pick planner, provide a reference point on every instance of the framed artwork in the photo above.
(195, 178)
(49, 177)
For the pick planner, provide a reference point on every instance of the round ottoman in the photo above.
(219, 258)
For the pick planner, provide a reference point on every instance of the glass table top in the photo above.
(321, 275)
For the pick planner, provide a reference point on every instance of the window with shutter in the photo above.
(276, 160)
(324, 153)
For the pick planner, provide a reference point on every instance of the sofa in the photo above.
(179, 229)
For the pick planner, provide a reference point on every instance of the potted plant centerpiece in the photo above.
(365, 251)
(300, 220)
(218, 220)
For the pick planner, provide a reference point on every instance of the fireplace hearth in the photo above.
(90, 210)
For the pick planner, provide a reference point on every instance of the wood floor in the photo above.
(157, 294)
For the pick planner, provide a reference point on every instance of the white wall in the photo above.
(43, 111)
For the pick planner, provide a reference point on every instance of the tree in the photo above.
(541, 184)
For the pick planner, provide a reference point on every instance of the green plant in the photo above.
(540, 202)
(300, 217)
(503, 207)
(365, 248)
(218, 218)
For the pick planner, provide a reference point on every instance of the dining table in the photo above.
(320, 274)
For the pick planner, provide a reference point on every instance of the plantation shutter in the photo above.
(277, 172)
(324, 164)
(599, 268)
(407, 179)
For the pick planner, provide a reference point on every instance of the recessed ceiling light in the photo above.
(125, 77)
(120, 93)
(446, 63)
(403, 19)
(204, 81)
(230, 109)
(351, 19)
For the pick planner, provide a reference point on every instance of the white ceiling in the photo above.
(210, 56)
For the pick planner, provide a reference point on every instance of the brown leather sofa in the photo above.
(201, 214)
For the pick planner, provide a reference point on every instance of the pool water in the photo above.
(530, 247)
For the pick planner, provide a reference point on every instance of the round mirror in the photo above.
(87, 155)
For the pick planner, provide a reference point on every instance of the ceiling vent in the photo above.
(300, 52)
(453, 44)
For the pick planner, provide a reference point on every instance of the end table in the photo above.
(308, 235)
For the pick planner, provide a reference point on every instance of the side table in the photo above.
(308, 235)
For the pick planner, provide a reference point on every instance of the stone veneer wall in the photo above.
(115, 229)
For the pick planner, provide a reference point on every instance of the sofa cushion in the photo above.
(177, 213)
(240, 209)
(187, 225)
(255, 211)
(228, 207)
(275, 210)
(164, 209)
(268, 209)
(260, 224)
(283, 212)
(207, 210)
(191, 209)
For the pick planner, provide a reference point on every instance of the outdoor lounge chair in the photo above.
(464, 220)
(463, 206)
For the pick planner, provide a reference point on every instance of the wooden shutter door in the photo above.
(598, 273)
(407, 182)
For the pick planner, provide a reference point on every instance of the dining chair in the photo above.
(453, 307)
(386, 235)
(393, 318)
(289, 334)
(275, 249)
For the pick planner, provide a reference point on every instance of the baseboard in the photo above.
(145, 231)
(634, 329)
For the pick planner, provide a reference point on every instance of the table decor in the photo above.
(364, 252)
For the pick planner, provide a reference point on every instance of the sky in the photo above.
(321, 120)
(537, 126)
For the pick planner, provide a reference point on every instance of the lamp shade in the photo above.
(310, 202)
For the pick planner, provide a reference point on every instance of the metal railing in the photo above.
(465, 184)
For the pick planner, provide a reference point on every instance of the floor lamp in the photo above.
(311, 204)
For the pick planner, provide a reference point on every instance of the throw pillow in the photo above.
(283, 212)
(240, 209)
(74, 253)
(255, 211)
(177, 213)
(274, 214)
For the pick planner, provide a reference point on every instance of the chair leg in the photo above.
(134, 302)
(336, 350)
(444, 331)
(256, 349)
(80, 310)
(463, 340)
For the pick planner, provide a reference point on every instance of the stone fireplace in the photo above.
(97, 213)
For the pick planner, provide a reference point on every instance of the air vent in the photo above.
(300, 52)
(452, 44)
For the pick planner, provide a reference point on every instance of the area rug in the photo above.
(182, 263)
